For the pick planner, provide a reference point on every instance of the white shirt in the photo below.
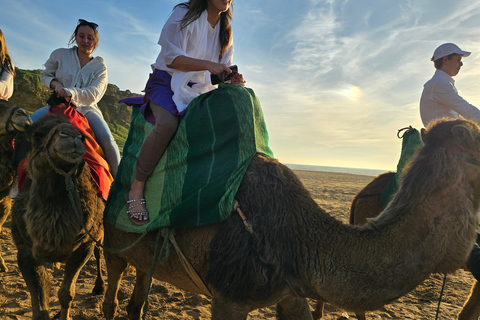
(6, 84)
(86, 85)
(197, 40)
(441, 99)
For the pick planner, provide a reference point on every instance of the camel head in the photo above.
(58, 139)
(13, 118)
(457, 141)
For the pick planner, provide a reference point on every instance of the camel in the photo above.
(57, 215)
(367, 205)
(298, 251)
(13, 119)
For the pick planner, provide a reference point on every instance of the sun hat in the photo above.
(447, 49)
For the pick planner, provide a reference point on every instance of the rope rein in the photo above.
(441, 295)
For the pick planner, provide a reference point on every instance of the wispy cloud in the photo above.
(336, 78)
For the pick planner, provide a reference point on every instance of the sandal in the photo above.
(138, 218)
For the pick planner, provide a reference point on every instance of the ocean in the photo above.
(364, 172)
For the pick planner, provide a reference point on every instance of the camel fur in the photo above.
(46, 226)
(13, 120)
(298, 251)
(366, 205)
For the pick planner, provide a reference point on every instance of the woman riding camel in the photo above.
(82, 79)
(196, 42)
(7, 70)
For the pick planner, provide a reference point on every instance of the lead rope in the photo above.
(441, 295)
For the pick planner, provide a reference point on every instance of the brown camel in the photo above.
(298, 251)
(13, 119)
(55, 213)
(366, 205)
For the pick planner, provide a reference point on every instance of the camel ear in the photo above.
(463, 136)
(423, 132)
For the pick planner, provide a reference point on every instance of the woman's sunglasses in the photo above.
(92, 25)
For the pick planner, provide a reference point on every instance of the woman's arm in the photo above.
(47, 75)
(6, 85)
(186, 64)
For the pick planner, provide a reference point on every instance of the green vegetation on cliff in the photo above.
(30, 94)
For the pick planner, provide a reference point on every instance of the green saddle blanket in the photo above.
(411, 142)
(196, 180)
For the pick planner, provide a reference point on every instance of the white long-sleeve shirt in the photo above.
(6, 84)
(86, 85)
(440, 99)
(197, 40)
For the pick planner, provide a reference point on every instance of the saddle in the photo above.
(99, 168)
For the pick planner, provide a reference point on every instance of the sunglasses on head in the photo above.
(92, 25)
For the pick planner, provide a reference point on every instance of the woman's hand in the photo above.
(238, 79)
(60, 90)
(218, 68)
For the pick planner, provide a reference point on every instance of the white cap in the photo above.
(447, 49)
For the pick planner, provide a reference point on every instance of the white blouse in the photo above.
(6, 84)
(85, 85)
(197, 40)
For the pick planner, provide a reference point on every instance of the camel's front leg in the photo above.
(318, 312)
(115, 268)
(73, 265)
(226, 309)
(99, 282)
(5, 204)
(140, 291)
(293, 308)
(471, 308)
(38, 283)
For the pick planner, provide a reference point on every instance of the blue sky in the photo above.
(336, 78)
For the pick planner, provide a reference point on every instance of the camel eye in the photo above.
(63, 134)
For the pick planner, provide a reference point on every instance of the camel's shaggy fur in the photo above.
(11, 122)
(297, 250)
(366, 205)
(46, 227)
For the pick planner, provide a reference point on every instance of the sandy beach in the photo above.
(333, 191)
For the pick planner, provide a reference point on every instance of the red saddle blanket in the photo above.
(99, 168)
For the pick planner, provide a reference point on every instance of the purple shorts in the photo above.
(158, 90)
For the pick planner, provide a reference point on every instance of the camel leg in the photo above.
(115, 268)
(140, 291)
(38, 282)
(226, 309)
(99, 288)
(73, 265)
(5, 204)
(471, 308)
(361, 316)
(318, 313)
(294, 308)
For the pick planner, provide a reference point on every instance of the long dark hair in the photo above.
(195, 10)
(5, 60)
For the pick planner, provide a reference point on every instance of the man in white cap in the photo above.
(440, 97)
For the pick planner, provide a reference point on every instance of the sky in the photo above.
(336, 78)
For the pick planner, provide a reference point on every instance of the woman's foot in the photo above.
(137, 210)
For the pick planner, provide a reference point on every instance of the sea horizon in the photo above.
(358, 171)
